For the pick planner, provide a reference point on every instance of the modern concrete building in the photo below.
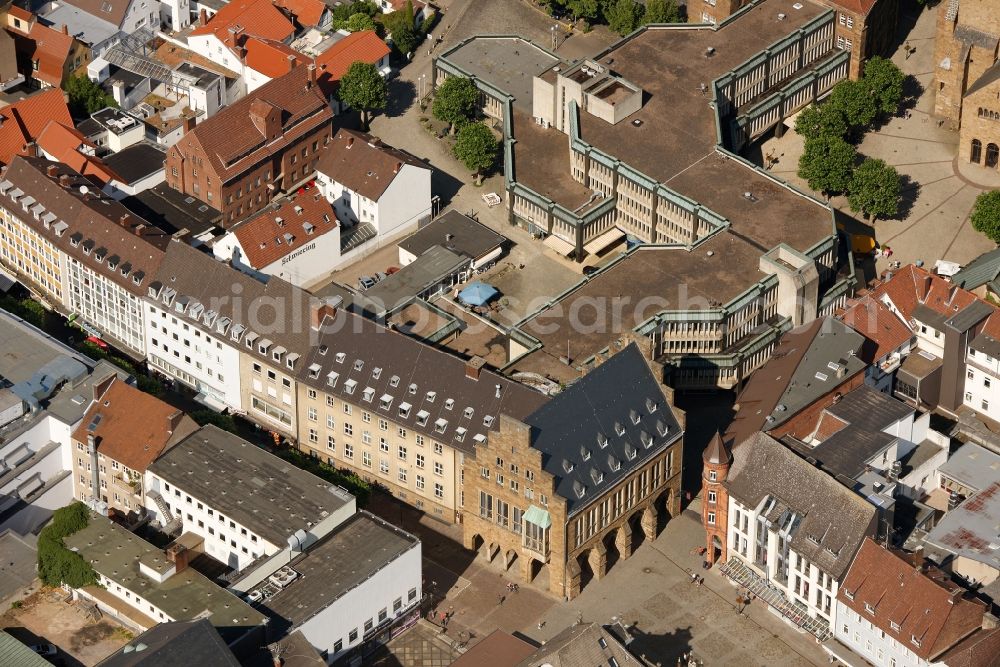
(242, 502)
(582, 475)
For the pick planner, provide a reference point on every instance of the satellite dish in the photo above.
(84, 190)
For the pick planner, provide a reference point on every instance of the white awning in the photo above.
(562, 247)
(608, 238)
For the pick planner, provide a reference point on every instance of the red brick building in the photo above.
(266, 143)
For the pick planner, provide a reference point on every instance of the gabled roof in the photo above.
(131, 426)
(259, 18)
(875, 321)
(271, 57)
(175, 644)
(362, 46)
(909, 603)
(112, 11)
(913, 289)
(602, 427)
(65, 143)
(860, 7)
(988, 340)
(49, 47)
(265, 240)
(306, 12)
(833, 520)
(23, 121)
(983, 270)
(363, 163)
(231, 140)
(579, 645)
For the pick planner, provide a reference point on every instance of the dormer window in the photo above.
(596, 475)
(431, 395)
(619, 429)
(422, 417)
(376, 372)
(314, 370)
(441, 425)
(368, 394)
(394, 381)
(468, 413)
(869, 608)
(290, 361)
(848, 594)
(915, 641)
(412, 389)
(331, 378)
(449, 404)
(488, 421)
(602, 440)
(650, 406)
(567, 465)
(340, 356)
(385, 402)
(264, 346)
(404, 410)
(579, 489)
(634, 416)
(460, 433)
(585, 453)
(278, 353)
(614, 463)
(358, 365)
(350, 385)
(892, 624)
(323, 349)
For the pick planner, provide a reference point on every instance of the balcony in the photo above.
(122, 483)
(890, 363)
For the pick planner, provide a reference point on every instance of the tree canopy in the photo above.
(57, 564)
(821, 120)
(476, 147)
(884, 82)
(827, 164)
(986, 215)
(358, 22)
(662, 11)
(86, 97)
(854, 100)
(874, 190)
(400, 25)
(364, 89)
(623, 16)
(455, 101)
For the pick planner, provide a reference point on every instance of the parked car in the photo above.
(379, 277)
(97, 341)
(391, 270)
(365, 282)
(44, 649)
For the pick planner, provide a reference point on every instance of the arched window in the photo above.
(992, 155)
(977, 151)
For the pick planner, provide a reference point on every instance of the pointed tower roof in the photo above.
(717, 452)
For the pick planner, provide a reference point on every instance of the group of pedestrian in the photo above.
(743, 599)
(696, 579)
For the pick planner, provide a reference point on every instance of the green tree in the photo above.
(662, 11)
(56, 563)
(855, 102)
(884, 82)
(874, 190)
(826, 164)
(986, 215)
(821, 120)
(583, 9)
(86, 97)
(476, 147)
(400, 25)
(364, 89)
(455, 101)
(358, 22)
(623, 16)
(217, 419)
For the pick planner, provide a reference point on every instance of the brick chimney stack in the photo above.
(473, 367)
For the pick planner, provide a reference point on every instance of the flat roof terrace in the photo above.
(509, 63)
(634, 289)
(541, 162)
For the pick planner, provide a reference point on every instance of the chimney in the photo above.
(124, 220)
(399, 165)
(65, 29)
(320, 310)
(202, 17)
(350, 142)
(179, 555)
(292, 62)
(311, 81)
(189, 123)
(101, 387)
(95, 482)
(473, 367)
(925, 287)
(64, 180)
(52, 170)
(918, 558)
(174, 420)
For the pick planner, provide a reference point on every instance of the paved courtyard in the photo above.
(938, 193)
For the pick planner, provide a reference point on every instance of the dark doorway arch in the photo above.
(992, 155)
(977, 151)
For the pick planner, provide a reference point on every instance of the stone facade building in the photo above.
(715, 499)
(967, 77)
(558, 490)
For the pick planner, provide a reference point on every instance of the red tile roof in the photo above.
(306, 12)
(861, 7)
(134, 427)
(23, 121)
(264, 240)
(909, 602)
(363, 46)
(64, 143)
(50, 47)
(913, 286)
(875, 321)
(231, 140)
(20, 13)
(112, 11)
(259, 18)
(271, 58)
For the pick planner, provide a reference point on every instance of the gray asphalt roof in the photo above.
(833, 519)
(17, 568)
(608, 423)
(435, 265)
(337, 564)
(970, 530)
(15, 654)
(982, 269)
(26, 350)
(458, 233)
(85, 27)
(261, 491)
(973, 466)
(137, 161)
(175, 644)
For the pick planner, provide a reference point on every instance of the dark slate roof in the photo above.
(833, 519)
(137, 161)
(458, 233)
(173, 211)
(175, 644)
(985, 268)
(615, 416)
(969, 316)
(845, 452)
(585, 644)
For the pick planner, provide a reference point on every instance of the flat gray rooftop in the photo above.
(970, 530)
(266, 494)
(433, 266)
(509, 63)
(972, 466)
(85, 27)
(115, 553)
(26, 350)
(17, 568)
(337, 564)
(621, 297)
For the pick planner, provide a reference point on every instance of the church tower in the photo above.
(715, 499)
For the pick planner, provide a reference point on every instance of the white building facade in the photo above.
(869, 641)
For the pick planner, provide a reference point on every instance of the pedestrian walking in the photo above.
(500, 599)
